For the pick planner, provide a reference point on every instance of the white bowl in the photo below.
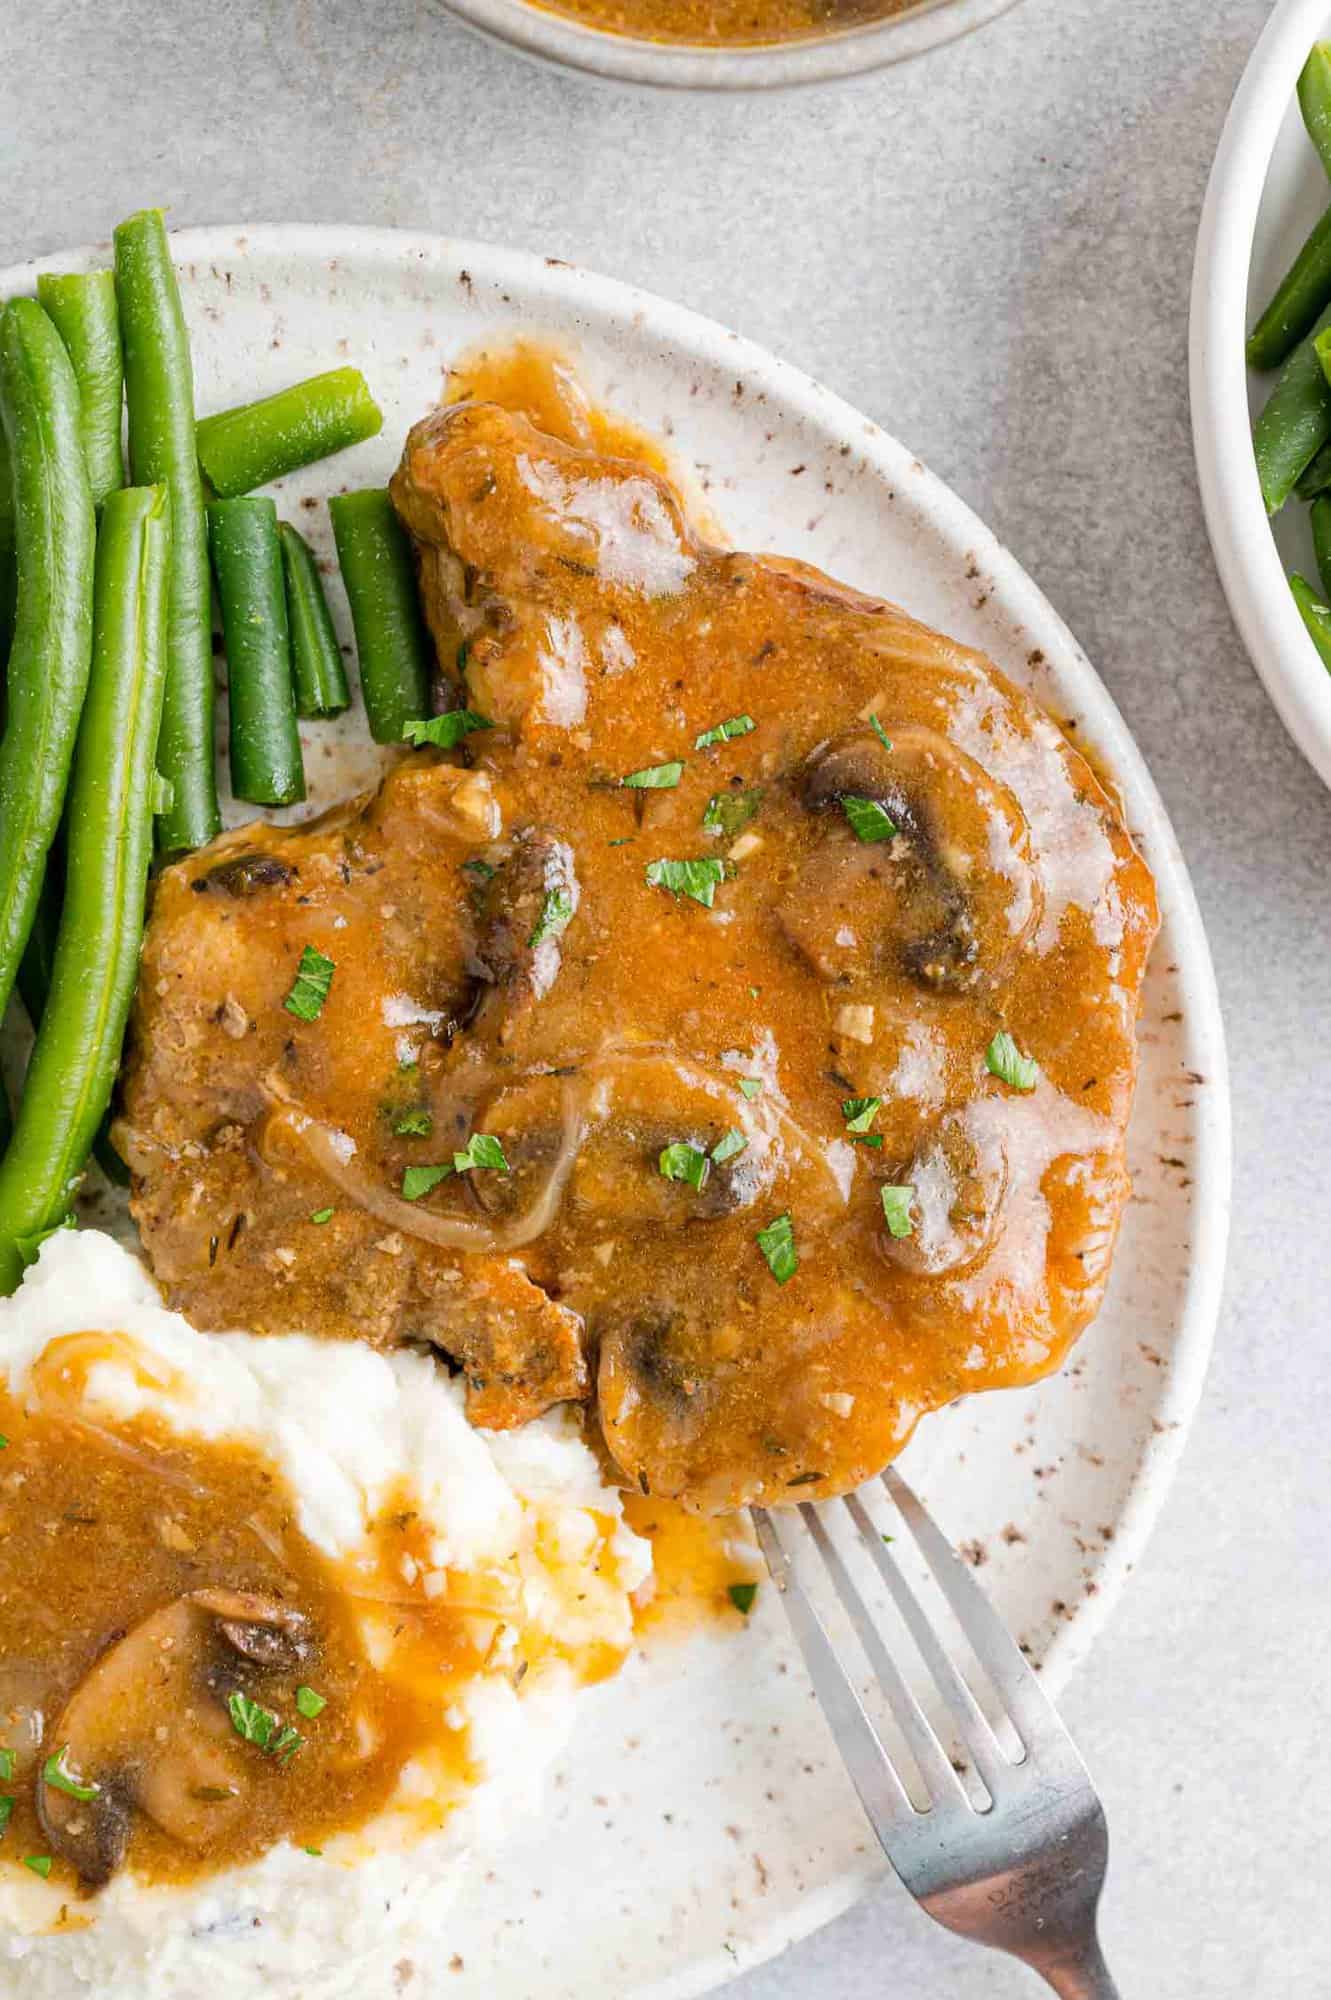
(1267, 189)
(684, 66)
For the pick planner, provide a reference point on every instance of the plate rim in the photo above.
(1247, 559)
(528, 275)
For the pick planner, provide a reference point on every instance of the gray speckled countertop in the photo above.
(989, 252)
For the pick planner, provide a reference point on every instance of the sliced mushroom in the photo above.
(528, 903)
(268, 1634)
(651, 1394)
(630, 1112)
(960, 1177)
(949, 899)
(148, 1728)
(246, 874)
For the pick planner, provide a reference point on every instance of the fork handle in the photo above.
(1086, 1977)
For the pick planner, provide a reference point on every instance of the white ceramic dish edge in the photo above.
(531, 277)
(557, 39)
(1246, 555)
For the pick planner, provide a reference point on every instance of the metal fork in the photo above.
(1023, 1874)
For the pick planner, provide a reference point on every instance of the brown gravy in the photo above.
(103, 1529)
(726, 23)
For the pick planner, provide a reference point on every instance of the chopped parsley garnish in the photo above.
(314, 976)
(627, 841)
(734, 725)
(321, 1215)
(481, 1150)
(881, 733)
(726, 1147)
(40, 1864)
(4, 1444)
(447, 731)
(317, 1852)
(697, 879)
(728, 813)
(655, 778)
(751, 1087)
(869, 821)
(556, 914)
(859, 1112)
(896, 1210)
(682, 1162)
(741, 1596)
(309, 1703)
(777, 1243)
(258, 1725)
(6, 1766)
(6, 1813)
(1005, 1060)
(482, 870)
(417, 1124)
(417, 1181)
(58, 1775)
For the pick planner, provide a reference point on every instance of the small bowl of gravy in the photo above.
(725, 44)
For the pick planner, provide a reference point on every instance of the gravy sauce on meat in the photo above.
(146, 1583)
(654, 1000)
(721, 23)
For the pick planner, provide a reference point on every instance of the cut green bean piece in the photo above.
(1303, 293)
(266, 766)
(1295, 422)
(159, 395)
(317, 672)
(83, 307)
(1315, 100)
(52, 646)
(109, 842)
(1316, 616)
(391, 639)
(247, 447)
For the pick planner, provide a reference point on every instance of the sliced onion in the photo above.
(333, 1152)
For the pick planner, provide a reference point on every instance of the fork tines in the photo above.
(843, 1534)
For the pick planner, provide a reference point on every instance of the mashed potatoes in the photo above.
(520, 1524)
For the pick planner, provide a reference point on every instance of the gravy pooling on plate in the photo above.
(722, 23)
(662, 1061)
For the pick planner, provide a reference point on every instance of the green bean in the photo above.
(1295, 422)
(1320, 521)
(109, 834)
(34, 984)
(8, 572)
(1315, 99)
(52, 647)
(1316, 478)
(257, 442)
(159, 391)
(266, 765)
(316, 658)
(1302, 294)
(83, 307)
(1316, 616)
(391, 639)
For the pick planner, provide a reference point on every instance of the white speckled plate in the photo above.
(702, 1820)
